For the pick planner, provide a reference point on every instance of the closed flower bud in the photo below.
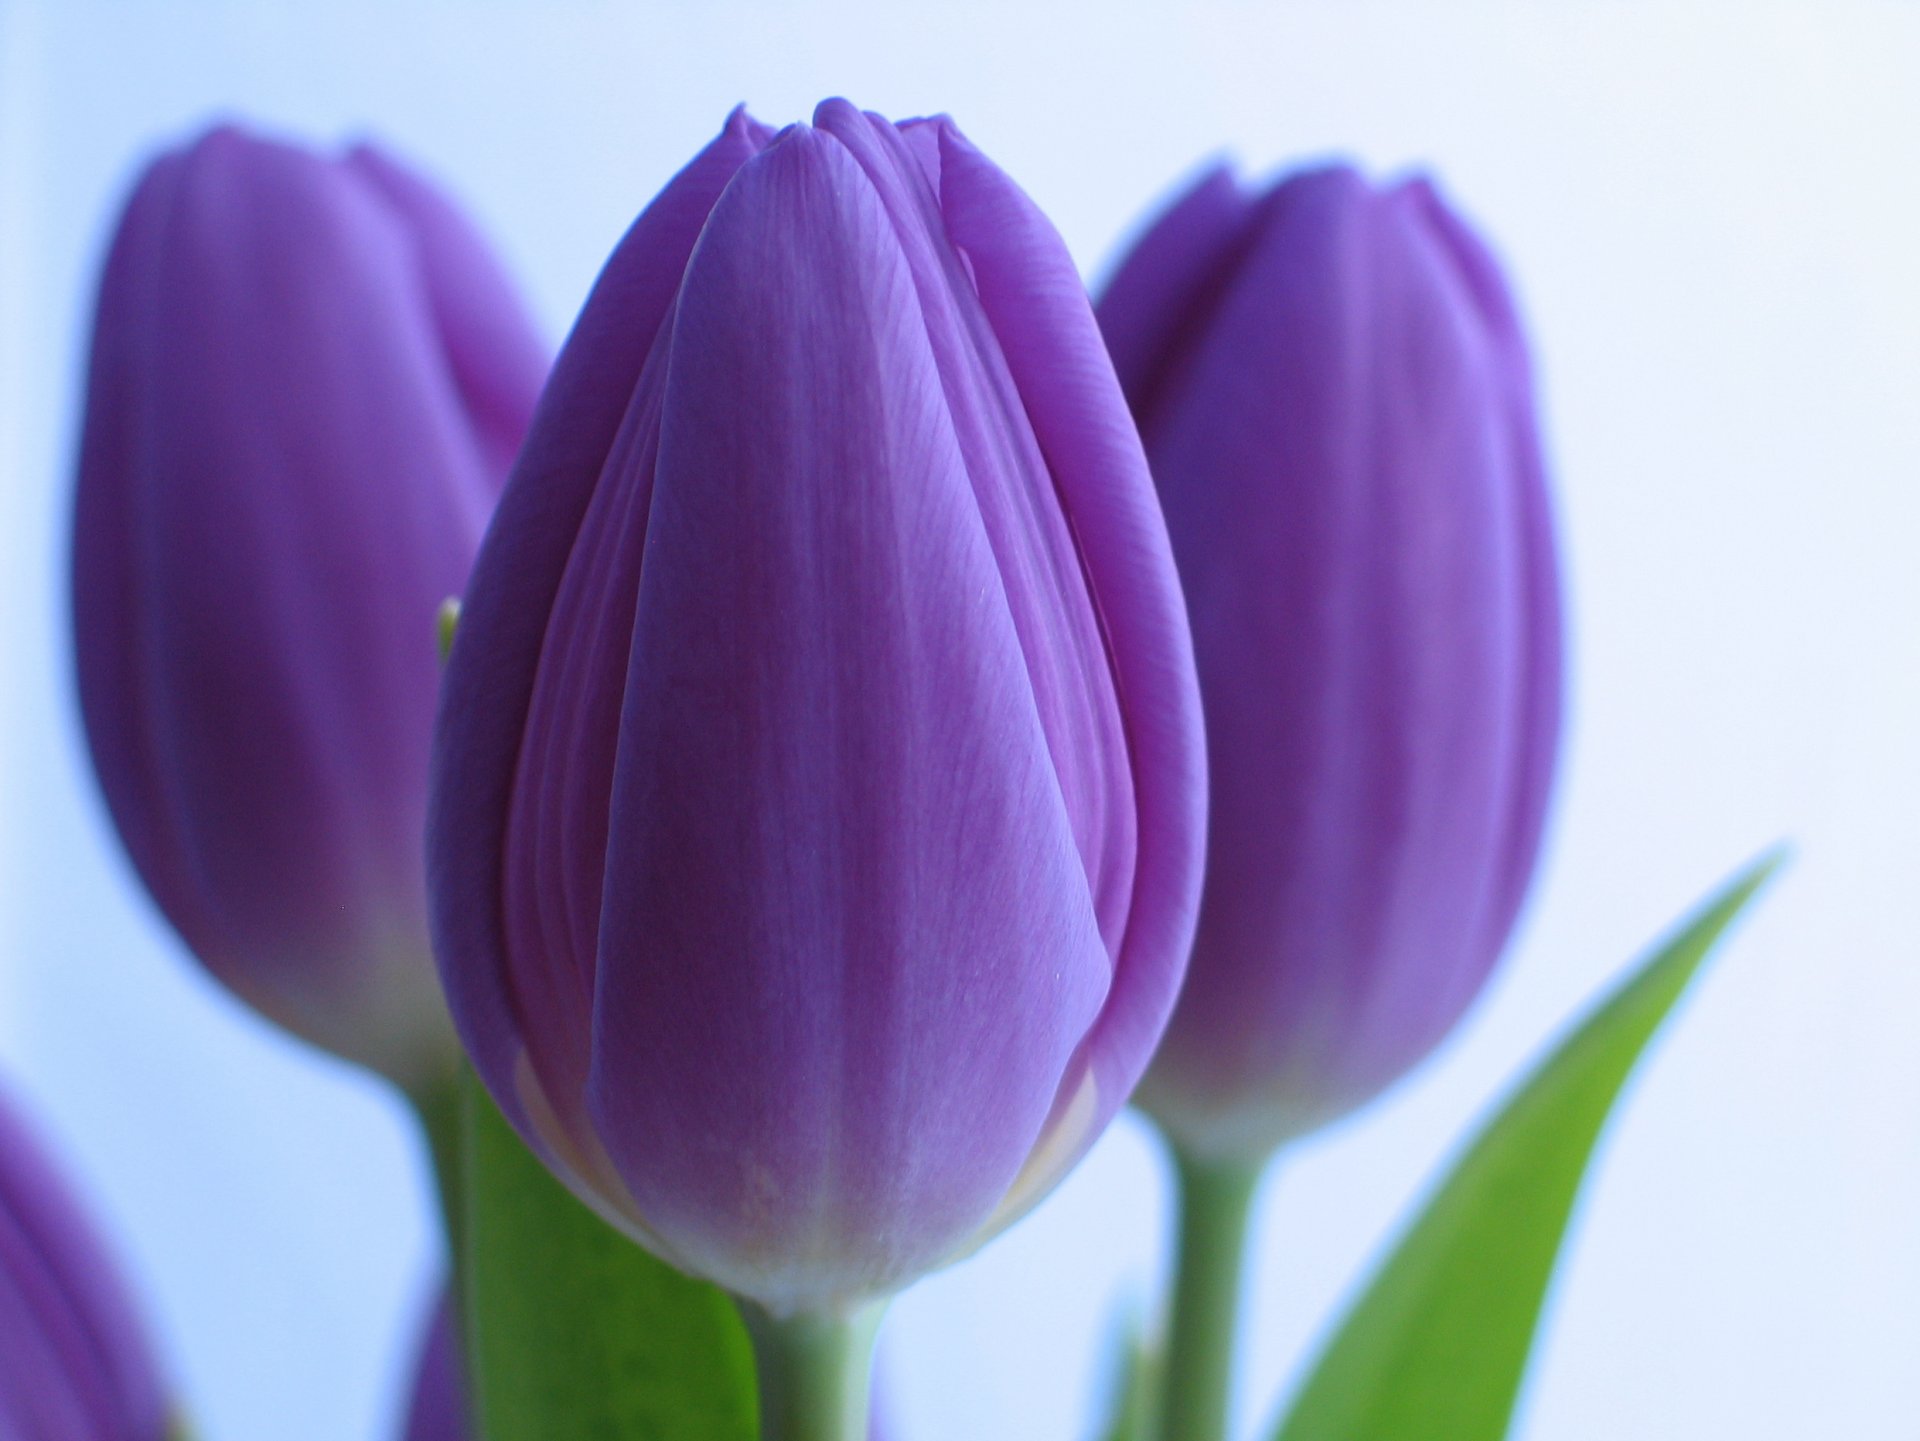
(308, 379)
(818, 796)
(1334, 394)
(74, 1361)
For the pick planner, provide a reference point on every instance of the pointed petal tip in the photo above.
(1220, 171)
(741, 124)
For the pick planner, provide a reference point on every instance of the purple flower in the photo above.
(437, 1410)
(1334, 393)
(818, 795)
(74, 1363)
(309, 377)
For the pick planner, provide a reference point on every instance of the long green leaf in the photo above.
(576, 1333)
(1437, 1345)
(1133, 1381)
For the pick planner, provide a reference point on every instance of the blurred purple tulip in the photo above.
(309, 377)
(74, 1362)
(1334, 393)
(818, 797)
(437, 1410)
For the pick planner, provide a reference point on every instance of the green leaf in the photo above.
(1133, 1381)
(574, 1332)
(1436, 1347)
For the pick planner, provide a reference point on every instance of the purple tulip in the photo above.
(309, 377)
(818, 799)
(1334, 393)
(437, 1410)
(74, 1363)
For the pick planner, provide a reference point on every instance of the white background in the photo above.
(1713, 212)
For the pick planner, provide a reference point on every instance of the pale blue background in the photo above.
(1713, 211)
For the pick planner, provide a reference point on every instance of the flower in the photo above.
(437, 1406)
(1334, 393)
(818, 799)
(308, 379)
(74, 1361)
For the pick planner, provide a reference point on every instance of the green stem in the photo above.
(442, 1122)
(814, 1373)
(1216, 1202)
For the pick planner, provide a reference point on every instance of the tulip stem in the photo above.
(814, 1373)
(442, 1114)
(1215, 1204)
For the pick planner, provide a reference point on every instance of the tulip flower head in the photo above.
(74, 1362)
(1334, 393)
(308, 379)
(817, 803)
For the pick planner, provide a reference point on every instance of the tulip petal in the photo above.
(1165, 290)
(437, 1406)
(113, 685)
(1540, 613)
(495, 359)
(1034, 299)
(1039, 563)
(73, 1360)
(488, 691)
(823, 1045)
(557, 831)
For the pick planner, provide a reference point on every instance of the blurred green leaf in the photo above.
(1133, 1371)
(1436, 1347)
(576, 1333)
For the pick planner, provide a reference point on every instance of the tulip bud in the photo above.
(437, 1409)
(308, 379)
(1334, 394)
(815, 831)
(74, 1362)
